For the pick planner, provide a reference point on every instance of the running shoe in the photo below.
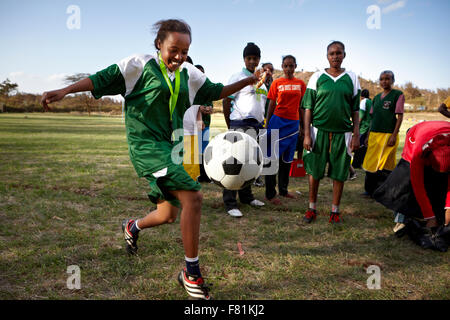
(130, 238)
(334, 217)
(289, 196)
(194, 285)
(310, 216)
(256, 203)
(274, 201)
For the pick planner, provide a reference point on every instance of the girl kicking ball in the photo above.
(157, 90)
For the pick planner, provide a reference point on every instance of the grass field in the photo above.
(66, 183)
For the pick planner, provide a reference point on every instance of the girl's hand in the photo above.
(255, 77)
(206, 109)
(392, 140)
(307, 142)
(52, 96)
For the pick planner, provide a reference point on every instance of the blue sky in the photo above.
(412, 40)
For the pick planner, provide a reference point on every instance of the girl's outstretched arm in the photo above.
(235, 87)
(57, 95)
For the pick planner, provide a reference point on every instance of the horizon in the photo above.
(48, 40)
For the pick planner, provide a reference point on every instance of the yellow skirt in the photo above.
(191, 156)
(379, 155)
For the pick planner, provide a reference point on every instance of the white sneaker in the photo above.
(256, 203)
(235, 213)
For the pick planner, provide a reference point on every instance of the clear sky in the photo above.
(41, 41)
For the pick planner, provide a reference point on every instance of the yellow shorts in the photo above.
(379, 155)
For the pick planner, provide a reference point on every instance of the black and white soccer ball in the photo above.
(233, 160)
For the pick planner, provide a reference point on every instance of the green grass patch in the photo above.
(66, 183)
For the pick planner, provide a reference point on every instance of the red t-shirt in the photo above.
(415, 140)
(288, 94)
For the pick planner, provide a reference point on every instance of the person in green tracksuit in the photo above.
(158, 89)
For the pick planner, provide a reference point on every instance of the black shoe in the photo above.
(130, 238)
(400, 230)
(425, 240)
(194, 285)
(203, 179)
(439, 239)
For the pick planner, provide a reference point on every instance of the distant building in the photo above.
(409, 106)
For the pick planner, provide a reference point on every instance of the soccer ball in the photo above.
(233, 160)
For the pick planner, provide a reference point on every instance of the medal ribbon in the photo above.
(173, 95)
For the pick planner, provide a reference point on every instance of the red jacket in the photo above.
(415, 140)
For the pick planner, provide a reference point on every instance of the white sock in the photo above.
(191, 259)
(312, 205)
(137, 226)
(334, 208)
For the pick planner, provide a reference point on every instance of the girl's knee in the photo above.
(195, 200)
(198, 197)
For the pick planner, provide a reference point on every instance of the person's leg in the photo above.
(338, 170)
(190, 278)
(338, 187)
(283, 177)
(315, 165)
(271, 182)
(246, 195)
(359, 154)
(164, 213)
(191, 203)
(229, 199)
(370, 182)
(352, 173)
(313, 191)
(311, 213)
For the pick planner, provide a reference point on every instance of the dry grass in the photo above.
(66, 183)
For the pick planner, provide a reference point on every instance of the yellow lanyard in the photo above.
(173, 95)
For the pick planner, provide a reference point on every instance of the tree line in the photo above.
(12, 100)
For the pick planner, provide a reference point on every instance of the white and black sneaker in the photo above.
(130, 238)
(194, 285)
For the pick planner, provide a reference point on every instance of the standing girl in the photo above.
(331, 102)
(157, 90)
(285, 96)
(387, 117)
